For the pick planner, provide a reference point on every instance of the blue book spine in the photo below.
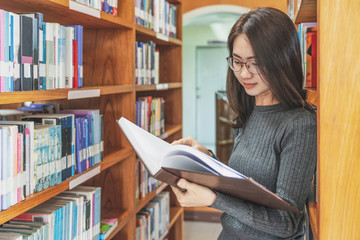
(82, 144)
(78, 145)
(58, 155)
(72, 127)
(86, 143)
(52, 157)
(90, 139)
(6, 50)
(75, 217)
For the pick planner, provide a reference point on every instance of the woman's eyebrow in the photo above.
(235, 55)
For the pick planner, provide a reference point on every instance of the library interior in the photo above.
(98, 99)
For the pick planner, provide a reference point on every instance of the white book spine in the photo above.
(69, 36)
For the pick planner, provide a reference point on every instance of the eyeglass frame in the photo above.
(242, 63)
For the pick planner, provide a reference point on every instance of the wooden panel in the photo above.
(106, 61)
(188, 5)
(170, 64)
(340, 119)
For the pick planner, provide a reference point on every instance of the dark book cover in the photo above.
(26, 50)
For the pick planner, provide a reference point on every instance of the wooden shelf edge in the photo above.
(143, 31)
(158, 87)
(58, 94)
(175, 213)
(170, 130)
(311, 96)
(123, 219)
(313, 215)
(35, 199)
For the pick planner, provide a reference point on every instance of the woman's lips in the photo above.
(249, 85)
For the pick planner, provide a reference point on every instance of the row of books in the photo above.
(73, 214)
(150, 114)
(152, 221)
(157, 15)
(308, 43)
(43, 150)
(109, 6)
(37, 55)
(147, 59)
(145, 183)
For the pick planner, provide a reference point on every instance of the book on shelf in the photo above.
(168, 163)
(107, 226)
(37, 55)
(10, 236)
(74, 214)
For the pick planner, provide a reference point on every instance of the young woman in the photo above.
(275, 129)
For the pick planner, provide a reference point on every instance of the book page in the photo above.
(199, 157)
(147, 146)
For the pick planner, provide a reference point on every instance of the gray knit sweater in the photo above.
(277, 148)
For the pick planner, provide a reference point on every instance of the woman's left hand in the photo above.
(195, 195)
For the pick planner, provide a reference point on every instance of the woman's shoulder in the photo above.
(302, 114)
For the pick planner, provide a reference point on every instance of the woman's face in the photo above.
(253, 84)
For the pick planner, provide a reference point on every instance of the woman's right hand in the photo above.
(189, 141)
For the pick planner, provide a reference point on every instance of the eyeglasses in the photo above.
(237, 65)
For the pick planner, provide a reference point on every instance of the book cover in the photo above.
(107, 226)
(26, 46)
(69, 37)
(79, 39)
(168, 163)
(49, 55)
(2, 48)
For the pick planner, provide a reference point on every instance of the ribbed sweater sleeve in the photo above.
(286, 144)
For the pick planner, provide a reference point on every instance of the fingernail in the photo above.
(181, 183)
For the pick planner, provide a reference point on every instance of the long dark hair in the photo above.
(276, 47)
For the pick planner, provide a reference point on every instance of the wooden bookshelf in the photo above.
(109, 85)
(336, 215)
(306, 11)
(312, 96)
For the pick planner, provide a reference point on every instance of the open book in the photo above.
(168, 163)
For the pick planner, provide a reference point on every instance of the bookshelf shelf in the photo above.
(109, 85)
(58, 94)
(144, 34)
(158, 87)
(306, 12)
(123, 219)
(149, 196)
(171, 129)
(59, 11)
(37, 198)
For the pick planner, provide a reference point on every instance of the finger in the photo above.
(184, 184)
(177, 191)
